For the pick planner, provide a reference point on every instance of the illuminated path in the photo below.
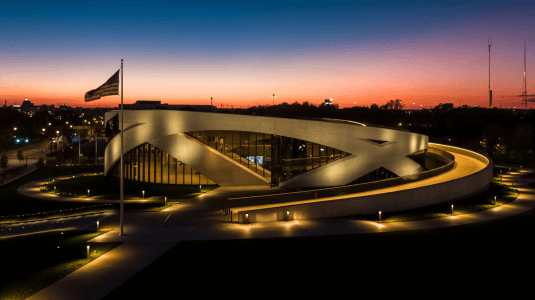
(148, 235)
(32, 189)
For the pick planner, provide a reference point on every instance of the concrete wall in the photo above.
(460, 188)
(152, 125)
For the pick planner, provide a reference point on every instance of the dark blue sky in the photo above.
(336, 45)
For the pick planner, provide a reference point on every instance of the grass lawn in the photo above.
(85, 210)
(41, 259)
(12, 203)
(504, 194)
(101, 187)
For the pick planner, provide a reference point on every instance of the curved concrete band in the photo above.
(165, 129)
(471, 175)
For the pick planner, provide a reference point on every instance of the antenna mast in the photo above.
(525, 91)
(490, 91)
(525, 82)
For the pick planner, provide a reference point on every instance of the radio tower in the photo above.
(525, 91)
(490, 91)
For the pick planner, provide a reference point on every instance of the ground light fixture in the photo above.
(379, 216)
(247, 218)
(452, 209)
(87, 193)
(87, 251)
(200, 188)
(287, 215)
(494, 200)
(165, 201)
(143, 194)
(54, 189)
(98, 225)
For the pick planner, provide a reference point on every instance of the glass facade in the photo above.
(149, 164)
(377, 174)
(275, 157)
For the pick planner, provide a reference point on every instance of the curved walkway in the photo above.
(147, 235)
(32, 189)
(430, 191)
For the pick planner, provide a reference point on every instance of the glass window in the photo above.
(195, 179)
(187, 175)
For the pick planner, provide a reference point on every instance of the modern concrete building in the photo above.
(185, 147)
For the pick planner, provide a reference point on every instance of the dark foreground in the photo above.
(484, 252)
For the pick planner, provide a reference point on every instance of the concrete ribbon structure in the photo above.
(471, 175)
(369, 147)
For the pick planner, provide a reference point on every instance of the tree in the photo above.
(20, 156)
(3, 161)
(393, 104)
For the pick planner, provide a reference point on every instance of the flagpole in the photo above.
(122, 163)
(95, 144)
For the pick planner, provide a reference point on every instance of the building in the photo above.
(154, 104)
(29, 108)
(186, 147)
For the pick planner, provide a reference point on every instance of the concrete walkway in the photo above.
(148, 235)
(32, 189)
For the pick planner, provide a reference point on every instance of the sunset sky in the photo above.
(242, 52)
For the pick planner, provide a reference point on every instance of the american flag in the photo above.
(110, 87)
